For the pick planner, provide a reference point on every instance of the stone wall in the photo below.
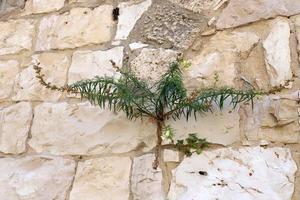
(56, 146)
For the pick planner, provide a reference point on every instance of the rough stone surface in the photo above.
(277, 52)
(146, 183)
(296, 23)
(43, 6)
(196, 5)
(171, 156)
(82, 129)
(130, 12)
(240, 12)
(15, 123)
(74, 29)
(15, 36)
(102, 178)
(8, 72)
(150, 64)
(169, 26)
(272, 119)
(219, 58)
(88, 64)
(253, 70)
(8, 6)
(54, 67)
(223, 124)
(237, 43)
(246, 173)
(90, 2)
(36, 177)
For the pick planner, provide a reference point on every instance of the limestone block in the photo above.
(42, 6)
(170, 26)
(146, 183)
(90, 2)
(151, 64)
(15, 122)
(88, 64)
(240, 12)
(8, 72)
(200, 6)
(54, 67)
(271, 119)
(277, 52)
(36, 177)
(246, 173)
(296, 23)
(76, 28)
(82, 129)
(16, 35)
(102, 179)
(218, 58)
(219, 126)
(8, 6)
(130, 12)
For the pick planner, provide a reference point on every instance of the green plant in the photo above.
(166, 99)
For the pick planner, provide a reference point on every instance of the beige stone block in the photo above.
(277, 52)
(79, 27)
(219, 126)
(54, 67)
(240, 12)
(102, 179)
(219, 59)
(15, 122)
(36, 177)
(42, 6)
(82, 129)
(245, 173)
(146, 183)
(151, 64)
(271, 119)
(16, 35)
(88, 64)
(8, 72)
(130, 12)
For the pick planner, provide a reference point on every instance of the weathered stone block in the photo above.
(130, 12)
(16, 35)
(151, 64)
(42, 6)
(272, 119)
(15, 122)
(218, 59)
(219, 126)
(36, 177)
(296, 23)
(240, 12)
(277, 52)
(102, 178)
(169, 26)
(8, 72)
(88, 64)
(146, 183)
(196, 5)
(82, 129)
(245, 173)
(79, 27)
(54, 67)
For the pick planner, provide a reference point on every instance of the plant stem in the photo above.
(159, 129)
